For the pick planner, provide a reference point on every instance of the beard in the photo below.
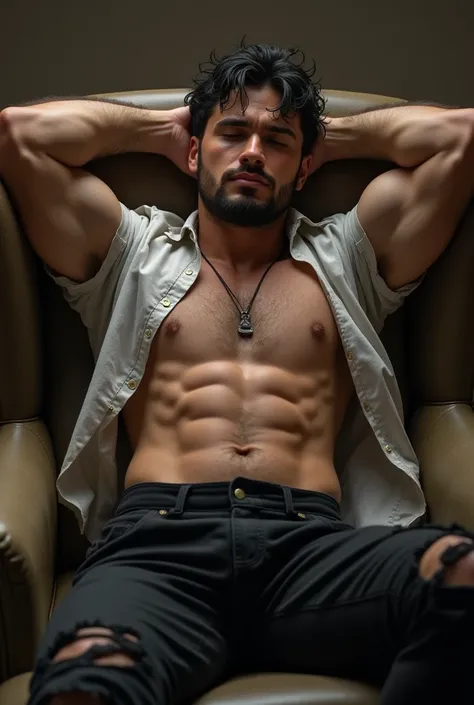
(242, 209)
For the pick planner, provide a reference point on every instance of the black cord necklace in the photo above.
(245, 328)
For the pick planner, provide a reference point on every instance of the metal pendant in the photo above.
(245, 325)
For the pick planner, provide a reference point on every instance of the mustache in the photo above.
(247, 170)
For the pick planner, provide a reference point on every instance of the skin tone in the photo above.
(242, 223)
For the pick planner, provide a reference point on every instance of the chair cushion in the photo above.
(286, 688)
(263, 689)
(16, 690)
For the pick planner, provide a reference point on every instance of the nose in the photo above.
(253, 153)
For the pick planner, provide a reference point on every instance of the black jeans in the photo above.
(217, 579)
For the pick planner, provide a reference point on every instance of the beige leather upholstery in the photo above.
(45, 366)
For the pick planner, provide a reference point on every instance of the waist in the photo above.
(309, 470)
(238, 492)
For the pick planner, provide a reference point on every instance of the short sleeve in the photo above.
(376, 298)
(94, 298)
(74, 291)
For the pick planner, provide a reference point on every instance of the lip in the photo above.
(249, 178)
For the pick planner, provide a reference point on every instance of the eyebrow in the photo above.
(241, 122)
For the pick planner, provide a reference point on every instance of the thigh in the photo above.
(138, 580)
(342, 604)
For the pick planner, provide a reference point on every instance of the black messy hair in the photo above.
(259, 65)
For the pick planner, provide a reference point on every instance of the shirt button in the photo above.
(189, 272)
(111, 409)
(131, 384)
(366, 406)
(388, 449)
(166, 302)
(349, 356)
(240, 494)
(148, 334)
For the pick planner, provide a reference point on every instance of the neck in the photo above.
(242, 250)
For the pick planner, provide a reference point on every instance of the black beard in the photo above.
(244, 211)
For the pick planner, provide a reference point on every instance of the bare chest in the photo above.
(293, 325)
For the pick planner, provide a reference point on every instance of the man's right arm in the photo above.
(69, 215)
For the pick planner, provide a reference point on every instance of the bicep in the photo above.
(410, 215)
(69, 216)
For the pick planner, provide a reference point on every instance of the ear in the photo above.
(193, 156)
(305, 170)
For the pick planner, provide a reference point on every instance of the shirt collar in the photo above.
(190, 226)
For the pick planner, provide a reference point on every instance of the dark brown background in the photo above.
(416, 49)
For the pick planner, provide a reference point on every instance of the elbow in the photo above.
(18, 125)
(6, 119)
(5, 125)
(8, 123)
(6, 139)
(15, 135)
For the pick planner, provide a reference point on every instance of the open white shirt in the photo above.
(152, 262)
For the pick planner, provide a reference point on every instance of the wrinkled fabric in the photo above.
(215, 583)
(152, 262)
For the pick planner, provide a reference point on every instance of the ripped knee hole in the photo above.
(100, 646)
(450, 557)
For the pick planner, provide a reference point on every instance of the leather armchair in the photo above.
(46, 364)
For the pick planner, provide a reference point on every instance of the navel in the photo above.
(244, 450)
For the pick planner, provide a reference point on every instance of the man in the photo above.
(232, 345)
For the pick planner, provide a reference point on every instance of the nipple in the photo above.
(172, 326)
(318, 330)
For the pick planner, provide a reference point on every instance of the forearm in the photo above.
(73, 132)
(407, 135)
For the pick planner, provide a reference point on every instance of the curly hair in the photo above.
(259, 65)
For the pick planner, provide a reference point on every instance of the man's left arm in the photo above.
(409, 213)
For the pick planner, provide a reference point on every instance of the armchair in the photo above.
(46, 364)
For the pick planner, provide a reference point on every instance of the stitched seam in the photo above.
(315, 608)
(137, 356)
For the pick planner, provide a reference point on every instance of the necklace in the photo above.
(245, 324)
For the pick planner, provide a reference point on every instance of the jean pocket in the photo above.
(118, 528)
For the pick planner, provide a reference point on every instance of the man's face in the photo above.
(258, 144)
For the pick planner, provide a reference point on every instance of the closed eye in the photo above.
(268, 139)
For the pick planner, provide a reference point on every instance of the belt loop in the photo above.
(289, 509)
(182, 494)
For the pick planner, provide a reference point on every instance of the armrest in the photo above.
(443, 439)
(28, 506)
(16, 690)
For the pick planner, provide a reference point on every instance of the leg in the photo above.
(142, 624)
(84, 640)
(347, 603)
(435, 662)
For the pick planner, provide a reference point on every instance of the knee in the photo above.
(458, 569)
(86, 639)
